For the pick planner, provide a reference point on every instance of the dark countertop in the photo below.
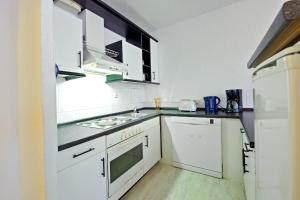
(69, 134)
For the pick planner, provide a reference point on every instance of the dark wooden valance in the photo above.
(284, 32)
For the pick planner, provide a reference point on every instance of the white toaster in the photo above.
(187, 105)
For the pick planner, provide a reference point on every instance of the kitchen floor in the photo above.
(164, 182)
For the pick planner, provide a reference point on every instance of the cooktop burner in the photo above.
(105, 123)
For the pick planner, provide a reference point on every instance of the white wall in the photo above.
(9, 151)
(49, 99)
(208, 54)
(91, 96)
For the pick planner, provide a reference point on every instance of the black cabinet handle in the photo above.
(247, 149)
(103, 165)
(244, 162)
(147, 141)
(79, 54)
(76, 155)
(56, 70)
(153, 75)
(242, 130)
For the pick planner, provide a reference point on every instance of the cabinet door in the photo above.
(132, 57)
(152, 147)
(67, 35)
(84, 180)
(232, 156)
(249, 176)
(154, 61)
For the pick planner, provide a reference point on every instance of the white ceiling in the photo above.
(162, 13)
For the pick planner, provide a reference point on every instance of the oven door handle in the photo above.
(103, 166)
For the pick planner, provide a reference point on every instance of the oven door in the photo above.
(125, 161)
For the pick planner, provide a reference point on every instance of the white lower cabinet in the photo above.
(232, 140)
(249, 169)
(84, 180)
(83, 172)
(152, 147)
(82, 169)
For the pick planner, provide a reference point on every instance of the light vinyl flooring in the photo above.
(164, 182)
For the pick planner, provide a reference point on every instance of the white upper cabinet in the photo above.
(67, 33)
(93, 30)
(154, 61)
(132, 57)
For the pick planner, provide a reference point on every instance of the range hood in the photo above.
(97, 62)
(95, 59)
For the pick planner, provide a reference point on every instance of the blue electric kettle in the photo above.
(211, 104)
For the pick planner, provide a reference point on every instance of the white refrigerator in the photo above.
(277, 126)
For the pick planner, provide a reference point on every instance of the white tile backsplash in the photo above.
(91, 96)
(162, 104)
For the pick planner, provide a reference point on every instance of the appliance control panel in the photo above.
(123, 135)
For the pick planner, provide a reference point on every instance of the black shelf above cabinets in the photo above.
(145, 43)
(117, 22)
(147, 58)
(133, 36)
(147, 72)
